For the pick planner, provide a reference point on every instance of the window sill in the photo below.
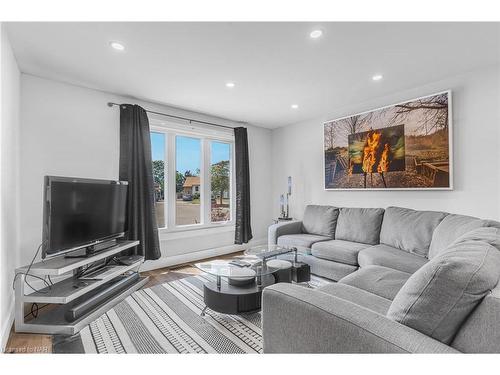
(194, 231)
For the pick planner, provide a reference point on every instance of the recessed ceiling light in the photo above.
(230, 84)
(117, 45)
(315, 34)
(294, 106)
(377, 77)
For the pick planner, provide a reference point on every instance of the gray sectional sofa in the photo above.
(406, 281)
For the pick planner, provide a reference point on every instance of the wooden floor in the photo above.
(36, 343)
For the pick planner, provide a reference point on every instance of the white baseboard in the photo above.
(7, 325)
(197, 255)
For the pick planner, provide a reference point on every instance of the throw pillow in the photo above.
(438, 298)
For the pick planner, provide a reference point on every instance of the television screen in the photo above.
(82, 212)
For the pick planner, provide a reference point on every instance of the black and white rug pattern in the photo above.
(166, 319)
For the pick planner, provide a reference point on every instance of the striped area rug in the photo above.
(166, 319)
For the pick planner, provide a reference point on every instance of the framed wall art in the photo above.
(401, 146)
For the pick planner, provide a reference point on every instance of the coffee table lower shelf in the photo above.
(230, 299)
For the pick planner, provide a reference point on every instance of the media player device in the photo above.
(127, 260)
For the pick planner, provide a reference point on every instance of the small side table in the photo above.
(280, 219)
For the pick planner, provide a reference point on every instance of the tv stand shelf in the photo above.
(53, 321)
(63, 295)
(60, 265)
(65, 291)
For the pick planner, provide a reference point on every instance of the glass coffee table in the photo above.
(237, 289)
(300, 270)
(272, 251)
(239, 282)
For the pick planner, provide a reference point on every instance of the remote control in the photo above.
(239, 263)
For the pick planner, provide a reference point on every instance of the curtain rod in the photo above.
(111, 104)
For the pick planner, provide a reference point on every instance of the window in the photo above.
(158, 156)
(192, 177)
(187, 166)
(220, 168)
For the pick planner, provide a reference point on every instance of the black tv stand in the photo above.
(92, 249)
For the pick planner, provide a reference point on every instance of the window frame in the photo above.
(206, 136)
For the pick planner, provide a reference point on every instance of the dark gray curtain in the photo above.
(136, 168)
(243, 232)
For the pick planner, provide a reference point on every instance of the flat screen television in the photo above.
(81, 213)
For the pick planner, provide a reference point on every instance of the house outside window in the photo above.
(191, 185)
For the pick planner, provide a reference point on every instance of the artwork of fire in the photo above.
(370, 154)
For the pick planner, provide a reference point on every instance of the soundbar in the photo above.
(103, 293)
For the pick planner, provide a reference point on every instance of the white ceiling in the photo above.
(273, 65)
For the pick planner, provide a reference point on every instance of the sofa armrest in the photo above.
(280, 229)
(296, 319)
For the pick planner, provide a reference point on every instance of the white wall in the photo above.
(70, 131)
(9, 186)
(297, 152)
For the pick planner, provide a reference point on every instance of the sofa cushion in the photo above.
(338, 251)
(382, 281)
(408, 229)
(489, 235)
(358, 296)
(481, 330)
(387, 256)
(320, 220)
(492, 223)
(448, 230)
(305, 240)
(322, 267)
(438, 298)
(359, 225)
